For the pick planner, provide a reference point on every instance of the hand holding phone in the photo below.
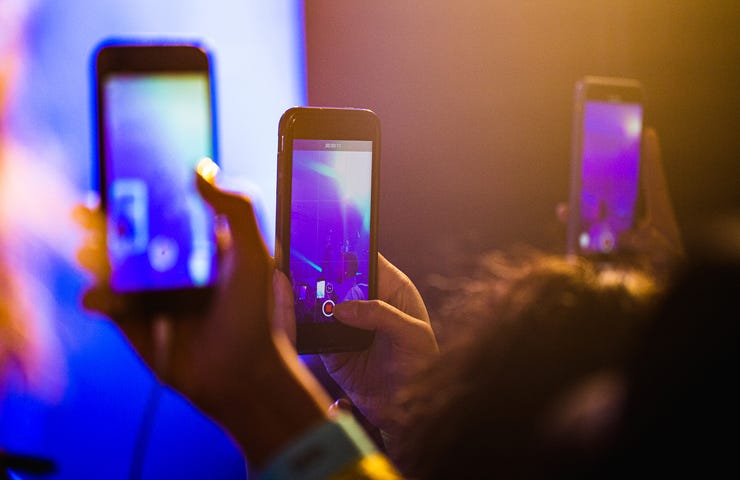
(155, 121)
(327, 201)
(605, 165)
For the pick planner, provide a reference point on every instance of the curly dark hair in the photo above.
(531, 331)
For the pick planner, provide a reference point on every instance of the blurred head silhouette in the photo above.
(534, 386)
(35, 219)
(13, 334)
(681, 410)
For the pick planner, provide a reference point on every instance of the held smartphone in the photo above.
(605, 166)
(327, 216)
(155, 121)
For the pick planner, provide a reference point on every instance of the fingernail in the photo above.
(340, 406)
(207, 169)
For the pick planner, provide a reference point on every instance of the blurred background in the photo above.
(92, 407)
(475, 99)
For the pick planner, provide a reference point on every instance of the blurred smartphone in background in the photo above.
(155, 121)
(327, 215)
(605, 165)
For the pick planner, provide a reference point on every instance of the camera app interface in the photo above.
(330, 225)
(611, 164)
(160, 232)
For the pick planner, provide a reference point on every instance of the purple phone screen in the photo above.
(610, 173)
(160, 232)
(330, 225)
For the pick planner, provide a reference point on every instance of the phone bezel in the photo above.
(609, 89)
(141, 57)
(322, 123)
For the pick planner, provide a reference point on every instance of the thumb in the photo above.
(236, 208)
(403, 329)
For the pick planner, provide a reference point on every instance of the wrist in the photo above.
(275, 403)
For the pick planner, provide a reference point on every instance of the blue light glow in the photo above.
(92, 428)
(304, 258)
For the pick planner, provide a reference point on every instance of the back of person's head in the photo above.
(532, 388)
(681, 412)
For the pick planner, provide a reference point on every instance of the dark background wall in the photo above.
(475, 100)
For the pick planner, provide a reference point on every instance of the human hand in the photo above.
(199, 354)
(655, 235)
(229, 361)
(98, 297)
(403, 342)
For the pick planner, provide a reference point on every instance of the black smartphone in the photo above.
(327, 219)
(605, 166)
(155, 121)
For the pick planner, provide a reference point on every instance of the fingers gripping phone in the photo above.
(605, 165)
(327, 211)
(155, 121)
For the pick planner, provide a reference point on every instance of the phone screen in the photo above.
(156, 127)
(330, 215)
(611, 142)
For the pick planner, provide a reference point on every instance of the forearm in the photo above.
(278, 403)
(286, 433)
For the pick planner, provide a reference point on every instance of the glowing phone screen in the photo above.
(330, 225)
(160, 232)
(610, 173)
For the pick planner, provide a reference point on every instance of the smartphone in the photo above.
(327, 219)
(155, 121)
(605, 166)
